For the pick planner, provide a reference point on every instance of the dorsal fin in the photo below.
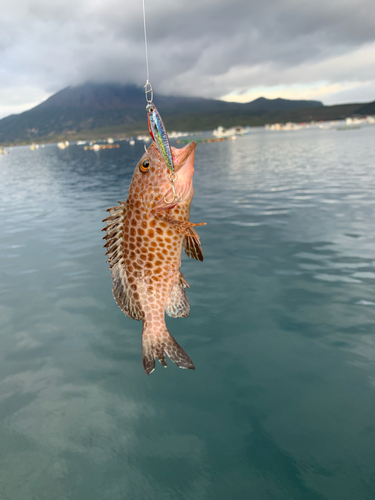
(121, 289)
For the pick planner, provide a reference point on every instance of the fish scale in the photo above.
(145, 236)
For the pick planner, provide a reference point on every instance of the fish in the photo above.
(159, 134)
(145, 237)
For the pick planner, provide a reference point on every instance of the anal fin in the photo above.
(178, 305)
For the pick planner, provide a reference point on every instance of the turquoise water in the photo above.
(282, 329)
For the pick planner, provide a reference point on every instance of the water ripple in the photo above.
(281, 328)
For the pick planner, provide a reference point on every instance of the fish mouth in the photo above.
(184, 169)
(184, 158)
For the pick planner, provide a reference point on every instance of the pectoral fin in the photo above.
(181, 227)
(192, 247)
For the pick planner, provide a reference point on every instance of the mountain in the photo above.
(367, 109)
(109, 108)
(266, 105)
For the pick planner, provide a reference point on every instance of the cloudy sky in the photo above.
(232, 49)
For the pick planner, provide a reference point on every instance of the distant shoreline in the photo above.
(98, 112)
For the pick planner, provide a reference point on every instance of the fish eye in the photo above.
(145, 165)
(151, 109)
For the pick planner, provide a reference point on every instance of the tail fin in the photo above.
(154, 346)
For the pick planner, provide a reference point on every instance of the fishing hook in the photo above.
(175, 198)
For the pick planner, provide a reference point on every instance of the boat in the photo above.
(348, 127)
(221, 132)
(144, 138)
(98, 147)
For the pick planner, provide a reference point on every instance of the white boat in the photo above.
(176, 135)
(221, 132)
(144, 138)
(132, 142)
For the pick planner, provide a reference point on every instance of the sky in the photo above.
(235, 50)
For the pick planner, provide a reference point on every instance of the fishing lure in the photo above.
(159, 134)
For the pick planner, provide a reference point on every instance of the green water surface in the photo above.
(282, 329)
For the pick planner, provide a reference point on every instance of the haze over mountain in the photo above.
(93, 110)
(111, 96)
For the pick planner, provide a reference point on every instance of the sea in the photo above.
(281, 405)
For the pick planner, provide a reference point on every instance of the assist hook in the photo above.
(175, 197)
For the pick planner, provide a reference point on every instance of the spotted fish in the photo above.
(145, 236)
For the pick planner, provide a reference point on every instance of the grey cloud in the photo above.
(195, 47)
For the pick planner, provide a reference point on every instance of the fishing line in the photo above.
(147, 87)
(149, 92)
